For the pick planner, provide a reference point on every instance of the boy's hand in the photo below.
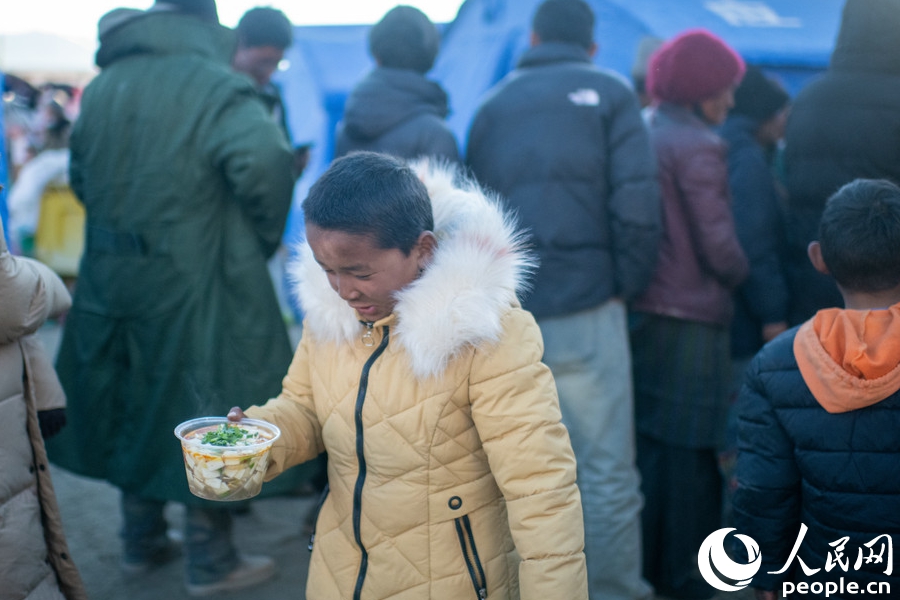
(765, 595)
(236, 414)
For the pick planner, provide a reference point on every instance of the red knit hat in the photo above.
(693, 66)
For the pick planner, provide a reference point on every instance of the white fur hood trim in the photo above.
(478, 267)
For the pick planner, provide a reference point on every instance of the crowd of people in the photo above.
(549, 362)
(44, 219)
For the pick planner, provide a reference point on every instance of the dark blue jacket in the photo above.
(838, 474)
(564, 144)
(756, 204)
(398, 112)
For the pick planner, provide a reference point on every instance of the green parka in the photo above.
(187, 184)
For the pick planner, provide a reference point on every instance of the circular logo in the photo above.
(712, 554)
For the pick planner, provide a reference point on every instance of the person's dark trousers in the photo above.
(682, 490)
(144, 530)
(210, 552)
(211, 555)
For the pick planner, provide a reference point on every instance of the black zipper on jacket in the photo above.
(322, 497)
(467, 541)
(361, 459)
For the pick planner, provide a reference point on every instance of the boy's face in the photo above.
(365, 276)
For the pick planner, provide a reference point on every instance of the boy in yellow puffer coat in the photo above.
(450, 473)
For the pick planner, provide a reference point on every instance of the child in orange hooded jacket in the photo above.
(818, 447)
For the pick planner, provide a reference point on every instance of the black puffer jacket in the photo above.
(844, 125)
(563, 142)
(758, 222)
(836, 473)
(398, 112)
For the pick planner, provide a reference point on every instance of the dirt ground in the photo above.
(90, 513)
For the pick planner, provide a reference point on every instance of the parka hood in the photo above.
(387, 97)
(868, 39)
(125, 32)
(478, 268)
(850, 359)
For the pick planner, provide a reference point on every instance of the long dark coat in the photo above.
(187, 185)
(844, 125)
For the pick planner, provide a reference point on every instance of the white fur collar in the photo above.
(479, 266)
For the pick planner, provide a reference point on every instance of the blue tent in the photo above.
(325, 63)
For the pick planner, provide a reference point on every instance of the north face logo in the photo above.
(585, 97)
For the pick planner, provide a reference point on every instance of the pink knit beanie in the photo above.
(693, 66)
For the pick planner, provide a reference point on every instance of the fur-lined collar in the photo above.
(477, 269)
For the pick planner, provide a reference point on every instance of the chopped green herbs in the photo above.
(229, 435)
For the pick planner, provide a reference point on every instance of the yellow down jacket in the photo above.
(450, 473)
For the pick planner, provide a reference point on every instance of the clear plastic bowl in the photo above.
(226, 473)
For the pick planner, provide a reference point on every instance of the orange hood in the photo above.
(850, 359)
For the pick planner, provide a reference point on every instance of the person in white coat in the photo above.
(34, 558)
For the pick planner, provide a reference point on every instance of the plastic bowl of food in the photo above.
(226, 460)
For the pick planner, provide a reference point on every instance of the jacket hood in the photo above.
(850, 359)
(387, 97)
(127, 32)
(868, 39)
(478, 268)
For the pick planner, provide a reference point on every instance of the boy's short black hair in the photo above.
(570, 21)
(860, 235)
(405, 38)
(367, 193)
(265, 26)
